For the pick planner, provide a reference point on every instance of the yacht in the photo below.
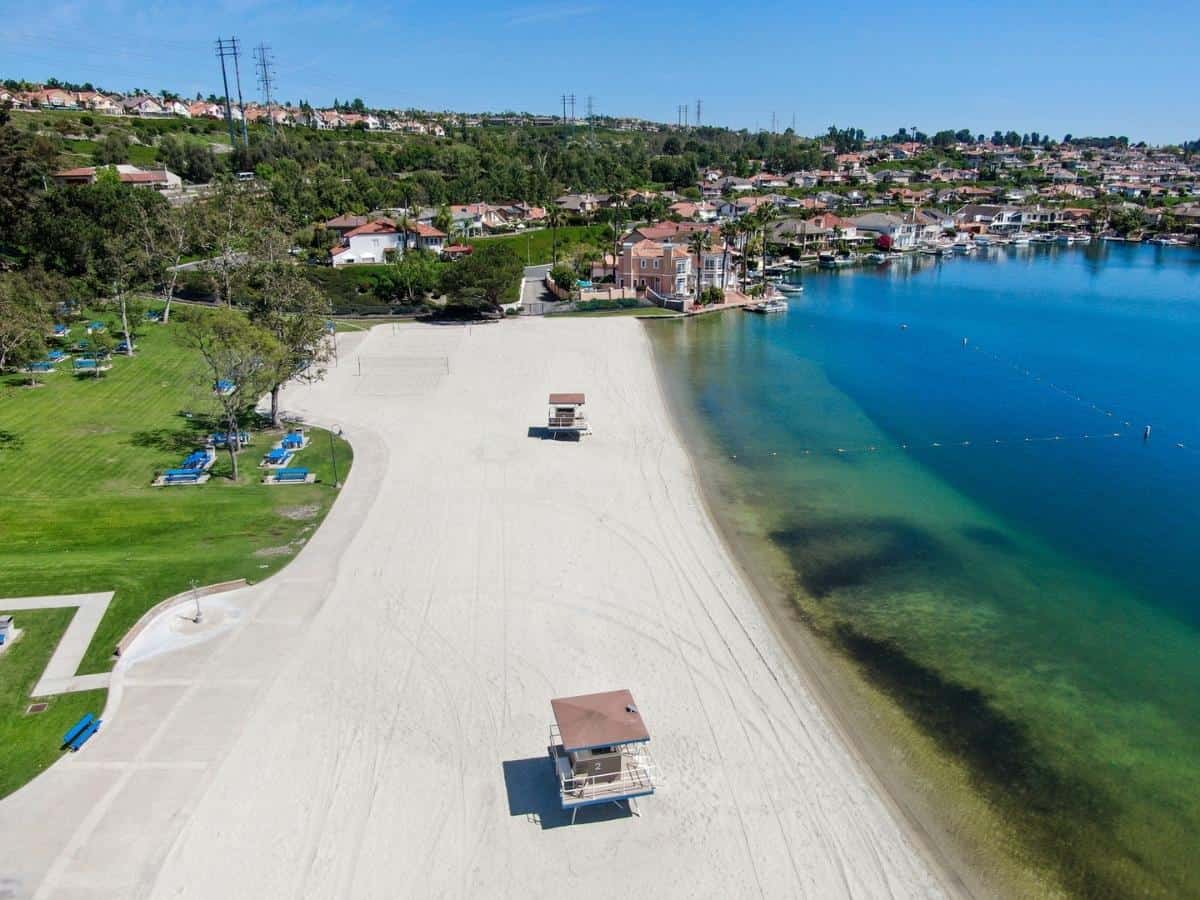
(827, 259)
(788, 287)
(774, 305)
(1084, 238)
(1020, 239)
(878, 258)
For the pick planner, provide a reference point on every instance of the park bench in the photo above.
(84, 736)
(77, 729)
(283, 476)
(181, 476)
(294, 440)
(221, 438)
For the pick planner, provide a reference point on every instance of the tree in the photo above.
(291, 309)
(698, 242)
(554, 219)
(563, 276)
(24, 319)
(481, 282)
(729, 236)
(761, 220)
(165, 243)
(237, 353)
(230, 218)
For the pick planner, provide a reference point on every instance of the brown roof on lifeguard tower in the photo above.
(566, 399)
(598, 720)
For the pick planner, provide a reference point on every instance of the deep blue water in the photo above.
(950, 456)
(1116, 326)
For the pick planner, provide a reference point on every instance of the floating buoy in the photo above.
(1146, 434)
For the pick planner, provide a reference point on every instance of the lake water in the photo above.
(949, 457)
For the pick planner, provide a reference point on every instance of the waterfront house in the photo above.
(662, 267)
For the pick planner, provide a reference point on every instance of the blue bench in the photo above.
(181, 476)
(221, 438)
(77, 729)
(56, 356)
(293, 441)
(124, 347)
(196, 460)
(41, 366)
(86, 363)
(293, 474)
(278, 456)
(84, 736)
(61, 331)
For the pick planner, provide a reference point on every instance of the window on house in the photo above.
(656, 263)
(644, 263)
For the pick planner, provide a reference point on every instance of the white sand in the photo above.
(375, 723)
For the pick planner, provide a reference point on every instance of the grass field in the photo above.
(537, 247)
(78, 514)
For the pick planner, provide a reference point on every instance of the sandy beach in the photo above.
(372, 722)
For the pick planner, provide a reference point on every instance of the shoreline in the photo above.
(377, 715)
(836, 684)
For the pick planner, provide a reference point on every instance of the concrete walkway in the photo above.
(60, 677)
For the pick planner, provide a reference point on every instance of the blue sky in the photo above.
(1055, 66)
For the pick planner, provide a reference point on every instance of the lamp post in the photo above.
(196, 599)
(333, 459)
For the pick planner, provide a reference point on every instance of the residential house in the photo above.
(378, 240)
(371, 242)
(142, 106)
(53, 98)
(98, 103)
(346, 223)
(817, 233)
(662, 267)
(895, 232)
(583, 204)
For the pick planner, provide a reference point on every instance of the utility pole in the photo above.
(266, 78)
(237, 75)
(772, 123)
(226, 49)
(698, 102)
(591, 113)
(571, 100)
(685, 115)
(564, 117)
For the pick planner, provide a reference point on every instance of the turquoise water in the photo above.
(950, 454)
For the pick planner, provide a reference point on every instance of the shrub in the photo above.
(563, 276)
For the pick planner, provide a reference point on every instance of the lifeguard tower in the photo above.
(598, 746)
(566, 415)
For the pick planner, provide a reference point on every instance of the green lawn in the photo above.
(78, 514)
(537, 247)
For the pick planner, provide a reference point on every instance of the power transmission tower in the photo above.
(591, 114)
(685, 115)
(226, 49)
(698, 102)
(237, 77)
(266, 79)
(772, 123)
(571, 100)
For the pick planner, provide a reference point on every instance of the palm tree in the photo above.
(699, 241)
(729, 236)
(554, 217)
(763, 217)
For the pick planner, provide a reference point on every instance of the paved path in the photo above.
(60, 677)
(535, 296)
